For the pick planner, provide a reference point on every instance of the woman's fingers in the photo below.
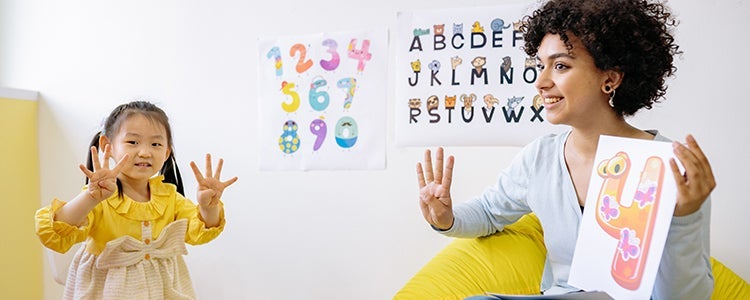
(420, 176)
(448, 175)
(428, 165)
(439, 166)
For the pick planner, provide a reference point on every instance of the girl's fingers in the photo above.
(420, 176)
(229, 182)
(428, 165)
(107, 155)
(218, 168)
(120, 164)
(86, 171)
(196, 172)
(209, 172)
(95, 158)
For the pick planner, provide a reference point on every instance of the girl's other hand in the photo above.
(210, 187)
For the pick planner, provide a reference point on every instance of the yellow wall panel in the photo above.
(20, 250)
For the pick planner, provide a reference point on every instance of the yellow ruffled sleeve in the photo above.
(197, 232)
(57, 235)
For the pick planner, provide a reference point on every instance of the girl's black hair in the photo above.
(170, 170)
(633, 36)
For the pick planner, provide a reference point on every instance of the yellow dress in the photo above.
(133, 249)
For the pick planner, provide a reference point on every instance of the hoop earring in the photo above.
(611, 99)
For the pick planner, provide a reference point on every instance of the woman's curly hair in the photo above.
(633, 36)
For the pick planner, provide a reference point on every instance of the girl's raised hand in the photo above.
(435, 190)
(210, 187)
(103, 180)
(695, 185)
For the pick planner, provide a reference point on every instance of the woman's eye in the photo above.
(560, 67)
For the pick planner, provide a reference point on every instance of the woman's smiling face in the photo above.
(569, 81)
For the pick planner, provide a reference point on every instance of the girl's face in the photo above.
(146, 142)
(569, 82)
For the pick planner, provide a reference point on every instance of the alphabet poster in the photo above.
(462, 79)
(629, 208)
(322, 101)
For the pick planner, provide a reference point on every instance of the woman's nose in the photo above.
(542, 81)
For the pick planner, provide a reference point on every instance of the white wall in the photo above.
(289, 235)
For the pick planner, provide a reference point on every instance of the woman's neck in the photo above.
(585, 140)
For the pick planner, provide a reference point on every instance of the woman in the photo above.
(599, 62)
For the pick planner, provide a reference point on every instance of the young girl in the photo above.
(135, 224)
(599, 61)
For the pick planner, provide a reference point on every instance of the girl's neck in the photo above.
(138, 191)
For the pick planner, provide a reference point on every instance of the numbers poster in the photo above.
(629, 206)
(322, 101)
(462, 79)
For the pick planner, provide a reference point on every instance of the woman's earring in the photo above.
(608, 90)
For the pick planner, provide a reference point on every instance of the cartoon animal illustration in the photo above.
(432, 102)
(438, 29)
(498, 25)
(419, 31)
(537, 101)
(450, 101)
(529, 63)
(490, 101)
(513, 102)
(517, 25)
(415, 102)
(478, 62)
(477, 27)
(289, 139)
(458, 28)
(468, 100)
(455, 61)
(434, 66)
(506, 64)
(416, 66)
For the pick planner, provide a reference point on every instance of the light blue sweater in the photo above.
(538, 181)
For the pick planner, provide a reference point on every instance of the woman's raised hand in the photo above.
(435, 190)
(210, 187)
(695, 185)
(103, 180)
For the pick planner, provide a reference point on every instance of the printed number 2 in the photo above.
(302, 64)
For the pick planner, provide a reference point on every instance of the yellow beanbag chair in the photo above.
(508, 262)
(511, 262)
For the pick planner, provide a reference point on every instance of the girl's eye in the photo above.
(156, 144)
(131, 142)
